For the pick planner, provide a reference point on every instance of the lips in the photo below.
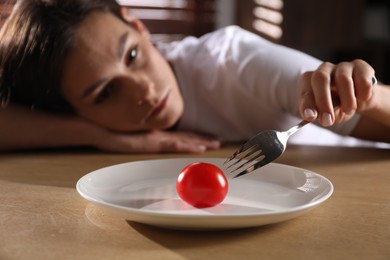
(159, 108)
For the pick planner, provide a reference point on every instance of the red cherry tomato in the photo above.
(202, 185)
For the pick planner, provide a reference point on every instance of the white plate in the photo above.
(145, 192)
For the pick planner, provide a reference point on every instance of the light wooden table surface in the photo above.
(43, 217)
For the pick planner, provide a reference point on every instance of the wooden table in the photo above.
(43, 217)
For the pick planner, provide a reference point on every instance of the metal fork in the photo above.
(266, 146)
(260, 150)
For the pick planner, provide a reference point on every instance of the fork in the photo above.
(267, 146)
(260, 150)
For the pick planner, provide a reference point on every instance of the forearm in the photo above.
(380, 111)
(375, 121)
(25, 129)
(21, 128)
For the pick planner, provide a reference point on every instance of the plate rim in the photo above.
(298, 210)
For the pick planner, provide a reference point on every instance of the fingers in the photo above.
(315, 101)
(364, 78)
(189, 142)
(157, 142)
(344, 87)
(334, 92)
(182, 146)
(308, 106)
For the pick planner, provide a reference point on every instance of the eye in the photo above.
(104, 94)
(131, 55)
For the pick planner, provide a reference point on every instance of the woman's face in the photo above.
(116, 78)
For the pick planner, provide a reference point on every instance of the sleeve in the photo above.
(271, 71)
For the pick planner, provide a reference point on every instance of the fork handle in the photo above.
(295, 128)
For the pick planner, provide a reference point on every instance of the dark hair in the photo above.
(34, 42)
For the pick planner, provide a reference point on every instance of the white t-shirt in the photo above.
(235, 84)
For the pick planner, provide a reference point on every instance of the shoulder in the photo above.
(221, 40)
(204, 56)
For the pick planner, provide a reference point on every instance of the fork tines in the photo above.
(244, 160)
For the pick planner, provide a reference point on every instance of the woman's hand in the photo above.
(22, 128)
(334, 92)
(155, 142)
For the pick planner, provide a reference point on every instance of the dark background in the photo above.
(332, 30)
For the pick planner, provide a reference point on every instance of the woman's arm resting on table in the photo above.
(21, 128)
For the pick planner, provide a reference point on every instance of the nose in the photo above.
(140, 88)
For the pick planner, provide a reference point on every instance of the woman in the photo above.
(92, 77)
